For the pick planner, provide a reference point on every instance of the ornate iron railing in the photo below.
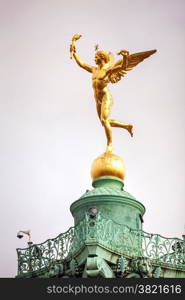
(43, 255)
(110, 235)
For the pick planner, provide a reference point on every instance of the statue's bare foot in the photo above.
(130, 129)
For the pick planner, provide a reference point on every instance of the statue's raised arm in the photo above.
(75, 56)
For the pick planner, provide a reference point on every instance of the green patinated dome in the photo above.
(107, 186)
(105, 191)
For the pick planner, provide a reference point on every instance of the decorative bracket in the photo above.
(97, 267)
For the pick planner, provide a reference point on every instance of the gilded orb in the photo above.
(108, 164)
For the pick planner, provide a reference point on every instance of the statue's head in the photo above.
(100, 57)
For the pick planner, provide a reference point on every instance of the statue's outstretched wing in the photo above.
(121, 67)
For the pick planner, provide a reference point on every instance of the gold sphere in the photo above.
(108, 164)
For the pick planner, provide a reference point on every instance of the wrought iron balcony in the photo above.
(98, 230)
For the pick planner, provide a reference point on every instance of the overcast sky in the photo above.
(49, 130)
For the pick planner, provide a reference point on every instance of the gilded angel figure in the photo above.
(106, 71)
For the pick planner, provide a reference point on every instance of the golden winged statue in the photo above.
(106, 71)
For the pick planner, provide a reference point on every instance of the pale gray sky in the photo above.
(49, 131)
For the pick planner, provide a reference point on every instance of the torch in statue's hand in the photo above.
(72, 46)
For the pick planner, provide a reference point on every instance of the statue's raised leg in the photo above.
(128, 127)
